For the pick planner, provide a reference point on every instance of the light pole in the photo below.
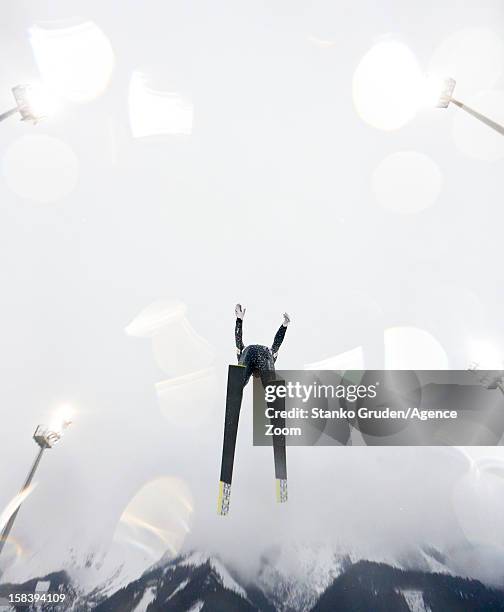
(45, 438)
(446, 97)
(32, 103)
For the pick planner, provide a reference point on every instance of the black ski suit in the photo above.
(258, 360)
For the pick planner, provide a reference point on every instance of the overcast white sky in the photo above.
(275, 193)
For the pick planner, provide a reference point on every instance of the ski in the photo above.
(236, 379)
(279, 450)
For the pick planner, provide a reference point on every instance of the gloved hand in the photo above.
(286, 320)
(239, 311)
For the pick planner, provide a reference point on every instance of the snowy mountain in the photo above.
(295, 576)
(295, 579)
(195, 582)
(375, 586)
(57, 582)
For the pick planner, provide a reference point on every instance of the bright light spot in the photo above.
(407, 182)
(187, 401)
(76, 61)
(62, 418)
(473, 137)
(485, 355)
(431, 91)
(433, 87)
(478, 500)
(388, 86)
(461, 452)
(491, 465)
(155, 112)
(350, 360)
(14, 504)
(177, 348)
(40, 168)
(474, 57)
(410, 348)
(11, 552)
(152, 319)
(157, 519)
(36, 101)
(323, 43)
(42, 102)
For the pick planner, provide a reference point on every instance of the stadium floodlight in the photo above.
(446, 96)
(33, 103)
(45, 437)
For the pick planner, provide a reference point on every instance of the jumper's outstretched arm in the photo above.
(240, 313)
(280, 335)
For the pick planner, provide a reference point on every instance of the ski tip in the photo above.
(281, 490)
(224, 498)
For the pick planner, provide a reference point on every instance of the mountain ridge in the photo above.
(200, 582)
